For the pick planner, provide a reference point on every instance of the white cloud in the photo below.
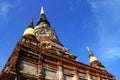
(73, 4)
(6, 6)
(18, 2)
(108, 26)
(4, 9)
(113, 53)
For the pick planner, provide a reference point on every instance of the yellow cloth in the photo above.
(93, 58)
(29, 31)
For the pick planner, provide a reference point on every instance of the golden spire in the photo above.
(92, 57)
(30, 29)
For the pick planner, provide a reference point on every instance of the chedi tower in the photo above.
(39, 55)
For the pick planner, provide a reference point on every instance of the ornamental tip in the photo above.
(42, 10)
(89, 51)
(88, 48)
(31, 23)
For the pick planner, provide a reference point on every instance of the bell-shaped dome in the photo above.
(92, 59)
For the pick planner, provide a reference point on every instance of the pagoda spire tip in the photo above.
(89, 51)
(88, 48)
(42, 10)
(31, 22)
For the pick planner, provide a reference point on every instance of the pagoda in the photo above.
(39, 55)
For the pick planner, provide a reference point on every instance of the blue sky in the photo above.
(77, 23)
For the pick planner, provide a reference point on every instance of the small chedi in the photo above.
(39, 55)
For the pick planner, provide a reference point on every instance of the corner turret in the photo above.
(94, 61)
(30, 29)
